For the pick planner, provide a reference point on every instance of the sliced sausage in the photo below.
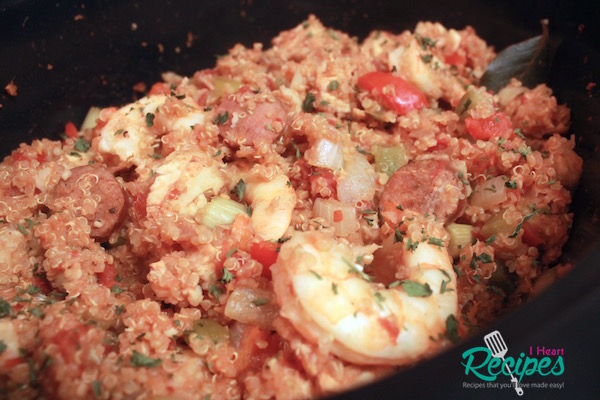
(105, 207)
(425, 186)
(252, 119)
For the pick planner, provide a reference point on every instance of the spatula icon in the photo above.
(497, 346)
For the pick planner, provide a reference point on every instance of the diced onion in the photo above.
(496, 225)
(461, 235)
(325, 154)
(489, 193)
(358, 180)
(330, 209)
(221, 211)
(252, 306)
(210, 329)
(506, 94)
(224, 86)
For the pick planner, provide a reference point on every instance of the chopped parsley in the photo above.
(361, 151)
(334, 288)
(298, 155)
(230, 252)
(119, 309)
(215, 290)
(436, 241)
(427, 58)
(220, 119)
(2, 346)
(425, 42)
(518, 132)
(410, 245)
(416, 289)
(22, 229)
(32, 372)
(510, 184)
(149, 120)
(82, 145)
(316, 274)
(116, 289)
(239, 189)
(120, 132)
(97, 388)
(490, 240)
(355, 270)
(520, 225)
(141, 360)
(444, 288)
(227, 276)
(452, 329)
(398, 236)
(261, 301)
(333, 85)
(32, 289)
(308, 105)
(380, 299)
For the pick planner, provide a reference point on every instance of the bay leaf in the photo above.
(528, 61)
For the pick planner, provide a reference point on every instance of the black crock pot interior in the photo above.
(67, 56)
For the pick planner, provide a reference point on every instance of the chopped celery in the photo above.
(461, 235)
(389, 159)
(221, 211)
(474, 98)
(90, 119)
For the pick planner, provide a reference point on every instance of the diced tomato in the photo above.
(13, 362)
(390, 326)
(107, 277)
(338, 216)
(494, 126)
(322, 177)
(68, 342)
(19, 156)
(173, 194)
(159, 88)
(138, 204)
(250, 356)
(402, 97)
(41, 282)
(71, 130)
(456, 59)
(531, 234)
(264, 252)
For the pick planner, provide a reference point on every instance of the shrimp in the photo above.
(131, 132)
(184, 182)
(271, 197)
(328, 298)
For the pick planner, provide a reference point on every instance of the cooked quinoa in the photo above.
(234, 233)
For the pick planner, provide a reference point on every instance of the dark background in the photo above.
(66, 56)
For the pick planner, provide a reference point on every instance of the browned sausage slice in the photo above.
(425, 186)
(251, 119)
(93, 192)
